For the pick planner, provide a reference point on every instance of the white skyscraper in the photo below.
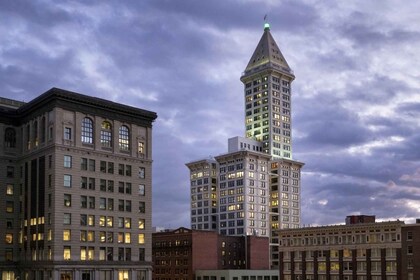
(258, 182)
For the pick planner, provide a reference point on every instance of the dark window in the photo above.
(10, 138)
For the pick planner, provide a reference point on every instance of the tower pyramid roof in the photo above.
(267, 51)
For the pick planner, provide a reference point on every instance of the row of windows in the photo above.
(105, 167)
(345, 239)
(105, 185)
(104, 237)
(105, 253)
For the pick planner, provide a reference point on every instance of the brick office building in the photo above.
(362, 249)
(179, 253)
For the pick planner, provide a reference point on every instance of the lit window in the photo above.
(82, 253)
(127, 238)
(124, 138)
(106, 134)
(66, 235)
(141, 223)
(140, 147)
(9, 189)
(127, 222)
(9, 238)
(67, 200)
(141, 238)
(67, 253)
(87, 131)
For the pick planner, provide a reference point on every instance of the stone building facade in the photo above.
(76, 172)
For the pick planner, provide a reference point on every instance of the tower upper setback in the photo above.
(267, 79)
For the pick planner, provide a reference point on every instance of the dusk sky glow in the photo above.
(355, 100)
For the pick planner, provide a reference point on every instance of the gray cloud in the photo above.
(355, 107)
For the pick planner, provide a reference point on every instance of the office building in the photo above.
(179, 254)
(361, 250)
(76, 172)
(270, 200)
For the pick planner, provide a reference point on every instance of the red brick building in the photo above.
(179, 253)
(410, 247)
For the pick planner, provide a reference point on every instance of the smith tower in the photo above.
(267, 79)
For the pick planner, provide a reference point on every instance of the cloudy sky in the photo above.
(356, 97)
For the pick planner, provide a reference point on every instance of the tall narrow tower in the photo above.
(267, 80)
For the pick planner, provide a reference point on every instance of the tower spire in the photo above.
(266, 24)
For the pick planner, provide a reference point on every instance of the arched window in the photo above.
(124, 138)
(106, 134)
(10, 137)
(87, 131)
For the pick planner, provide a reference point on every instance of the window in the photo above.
(67, 161)
(9, 206)
(87, 131)
(91, 202)
(67, 219)
(124, 138)
(67, 253)
(409, 250)
(9, 238)
(110, 204)
(142, 172)
(102, 166)
(102, 203)
(91, 184)
(128, 170)
(106, 134)
(142, 190)
(110, 186)
(141, 224)
(91, 220)
(102, 185)
(66, 235)
(83, 164)
(128, 188)
(141, 238)
(140, 147)
(409, 235)
(127, 222)
(67, 133)
(83, 182)
(10, 138)
(91, 165)
(10, 172)
(121, 169)
(128, 205)
(67, 180)
(67, 200)
(110, 167)
(83, 201)
(83, 219)
(9, 189)
(142, 207)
